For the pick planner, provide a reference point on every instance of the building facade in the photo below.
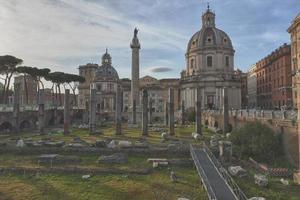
(294, 31)
(274, 80)
(210, 66)
(105, 80)
(244, 89)
(252, 87)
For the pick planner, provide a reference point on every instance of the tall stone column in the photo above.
(134, 112)
(41, 111)
(135, 73)
(145, 112)
(92, 111)
(16, 108)
(67, 112)
(171, 112)
(198, 111)
(225, 111)
(119, 111)
(150, 111)
(183, 112)
(166, 113)
(55, 114)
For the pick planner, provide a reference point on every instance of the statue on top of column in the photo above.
(135, 32)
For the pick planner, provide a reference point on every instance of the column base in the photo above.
(297, 177)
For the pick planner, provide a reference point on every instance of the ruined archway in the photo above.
(25, 125)
(6, 127)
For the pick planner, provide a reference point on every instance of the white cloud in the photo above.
(45, 32)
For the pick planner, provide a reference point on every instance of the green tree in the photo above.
(191, 114)
(73, 81)
(256, 140)
(36, 73)
(8, 66)
(57, 79)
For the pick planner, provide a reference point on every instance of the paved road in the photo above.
(221, 190)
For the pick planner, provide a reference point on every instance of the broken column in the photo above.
(198, 111)
(225, 111)
(119, 111)
(41, 111)
(133, 112)
(16, 108)
(150, 111)
(92, 112)
(171, 112)
(67, 112)
(145, 112)
(182, 113)
(166, 113)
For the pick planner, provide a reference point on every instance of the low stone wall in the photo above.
(159, 152)
(72, 170)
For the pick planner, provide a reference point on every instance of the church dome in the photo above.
(209, 36)
(106, 71)
(210, 50)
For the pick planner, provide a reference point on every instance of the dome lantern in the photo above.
(106, 59)
(208, 18)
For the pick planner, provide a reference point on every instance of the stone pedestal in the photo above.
(67, 112)
(119, 111)
(171, 112)
(145, 112)
(297, 177)
(92, 111)
(41, 111)
(225, 111)
(16, 108)
(198, 111)
(166, 113)
(183, 112)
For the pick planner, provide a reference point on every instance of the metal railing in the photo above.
(234, 186)
(9, 108)
(202, 175)
(266, 114)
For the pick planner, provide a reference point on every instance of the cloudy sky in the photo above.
(63, 34)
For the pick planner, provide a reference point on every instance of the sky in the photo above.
(63, 34)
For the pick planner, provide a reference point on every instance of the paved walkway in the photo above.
(220, 189)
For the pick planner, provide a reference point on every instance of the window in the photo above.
(99, 87)
(209, 61)
(227, 61)
(192, 63)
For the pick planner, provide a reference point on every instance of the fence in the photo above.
(204, 179)
(236, 189)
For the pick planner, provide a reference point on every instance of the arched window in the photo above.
(209, 61)
(227, 61)
(192, 63)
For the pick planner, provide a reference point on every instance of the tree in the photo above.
(23, 70)
(256, 140)
(57, 78)
(191, 114)
(8, 65)
(73, 80)
(35, 73)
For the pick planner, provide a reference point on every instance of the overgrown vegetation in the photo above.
(191, 114)
(257, 141)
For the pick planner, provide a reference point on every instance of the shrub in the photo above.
(191, 114)
(258, 141)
